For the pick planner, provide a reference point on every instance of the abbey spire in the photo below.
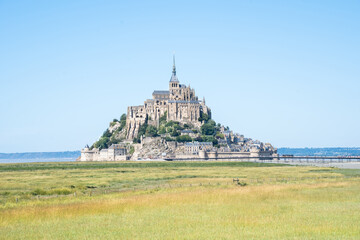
(174, 67)
(173, 76)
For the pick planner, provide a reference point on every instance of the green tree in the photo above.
(208, 129)
(171, 123)
(123, 117)
(151, 131)
(174, 133)
(188, 126)
(211, 139)
(219, 135)
(178, 127)
(122, 122)
(163, 118)
(107, 133)
(132, 150)
(212, 122)
(113, 140)
(204, 117)
(102, 143)
(184, 138)
(162, 130)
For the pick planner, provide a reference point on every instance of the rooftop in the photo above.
(117, 146)
(160, 92)
(182, 101)
(198, 144)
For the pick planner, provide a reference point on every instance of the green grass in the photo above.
(100, 165)
(177, 200)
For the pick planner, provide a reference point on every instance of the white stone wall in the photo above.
(103, 155)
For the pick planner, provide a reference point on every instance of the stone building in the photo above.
(115, 152)
(196, 147)
(179, 104)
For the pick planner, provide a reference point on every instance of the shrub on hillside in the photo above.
(204, 117)
(151, 131)
(169, 139)
(102, 143)
(184, 138)
(208, 129)
(162, 130)
(163, 118)
(174, 133)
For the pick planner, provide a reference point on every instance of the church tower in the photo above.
(174, 82)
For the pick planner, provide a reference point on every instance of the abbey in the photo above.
(179, 104)
(173, 125)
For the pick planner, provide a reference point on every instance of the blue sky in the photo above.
(285, 72)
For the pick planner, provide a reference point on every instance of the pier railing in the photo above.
(281, 159)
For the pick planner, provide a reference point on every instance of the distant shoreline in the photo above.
(71, 156)
(40, 155)
(30, 160)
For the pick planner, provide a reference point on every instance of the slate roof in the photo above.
(159, 92)
(198, 144)
(182, 101)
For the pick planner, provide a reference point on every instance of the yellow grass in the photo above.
(324, 208)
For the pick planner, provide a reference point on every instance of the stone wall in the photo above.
(214, 155)
(101, 155)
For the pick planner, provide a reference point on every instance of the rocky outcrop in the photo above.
(153, 148)
(114, 126)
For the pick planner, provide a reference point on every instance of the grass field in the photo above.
(178, 200)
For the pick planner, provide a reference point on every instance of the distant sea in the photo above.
(340, 151)
(67, 156)
(71, 156)
(28, 160)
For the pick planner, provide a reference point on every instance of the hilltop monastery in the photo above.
(181, 105)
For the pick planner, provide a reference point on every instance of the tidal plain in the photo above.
(178, 200)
